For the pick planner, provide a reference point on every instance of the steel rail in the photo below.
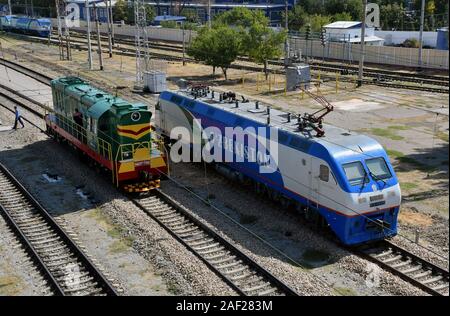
(22, 194)
(267, 282)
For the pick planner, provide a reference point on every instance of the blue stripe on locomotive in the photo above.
(350, 230)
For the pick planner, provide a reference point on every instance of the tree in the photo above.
(317, 21)
(216, 47)
(241, 17)
(262, 44)
(120, 11)
(125, 12)
(297, 18)
(190, 15)
(353, 7)
(343, 16)
(391, 16)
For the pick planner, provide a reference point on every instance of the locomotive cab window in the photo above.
(378, 168)
(324, 173)
(355, 173)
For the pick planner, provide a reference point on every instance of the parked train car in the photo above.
(342, 179)
(7, 22)
(114, 134)
(26, 25)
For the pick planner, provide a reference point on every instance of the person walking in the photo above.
(18, 118)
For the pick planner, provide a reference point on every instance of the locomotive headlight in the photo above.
(135, 116)
(127, 155)
(362, 200)
(392, 193)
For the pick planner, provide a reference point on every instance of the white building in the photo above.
(350, 32)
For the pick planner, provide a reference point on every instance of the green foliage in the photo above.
(297, 18)
(250, 34)
(169, 24)
(343, 16)
(263, 43)
(241, 17)
(216, 47)
(122, 11)
(317, 21)
(191, 15)
(411, 42)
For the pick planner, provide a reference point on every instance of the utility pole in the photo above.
(9, 7)
(88, 21)
(286, 26)
(209, 13)
(142, 48)
(99, 42)
(66, 32)
(112, 21)
(60, 35)
(32, 8)
(363, 40)
(107, 4)
(422, 18)
(184, 43)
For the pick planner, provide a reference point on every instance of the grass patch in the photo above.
(10, 285)
(121, 245)
(399, 127)
(173, 288)
(122, 242)
(408, 185)
(344, 291)
(395, 153)
(442, 136)
(402, 159)
(386, 132)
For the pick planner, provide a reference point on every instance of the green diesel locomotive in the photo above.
(110, 131)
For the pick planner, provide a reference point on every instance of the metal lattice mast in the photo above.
(141, 41)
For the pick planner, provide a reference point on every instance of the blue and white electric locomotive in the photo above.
(26, 25)
(341, 178)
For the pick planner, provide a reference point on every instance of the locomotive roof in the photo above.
(99, 101)
(338, 141)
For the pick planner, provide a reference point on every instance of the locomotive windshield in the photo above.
(356, 175)
(378, 168)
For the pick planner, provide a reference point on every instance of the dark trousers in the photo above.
(18, 119)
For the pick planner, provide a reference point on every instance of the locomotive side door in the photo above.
(315, 182)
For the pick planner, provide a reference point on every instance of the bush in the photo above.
(411, 42)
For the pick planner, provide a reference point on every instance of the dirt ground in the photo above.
(411, 125)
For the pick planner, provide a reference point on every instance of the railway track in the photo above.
(238, 270)
(379, 78)
(67, 270)
(413, 269)
(26, 71)
(206, 244)
(376, 74)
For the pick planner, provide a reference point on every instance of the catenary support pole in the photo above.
(88, 21)
(99, 42)
(363, 40)
(422, 17)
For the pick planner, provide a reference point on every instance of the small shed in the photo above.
(350, 32)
